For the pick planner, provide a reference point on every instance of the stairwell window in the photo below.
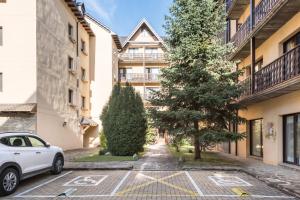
(71, 33)
(1, 35)
(83, 47)
(82, 102)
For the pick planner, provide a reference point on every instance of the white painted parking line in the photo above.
(232, 181)
(86, 181)
(45, 183)
(121, 183)
(194, 184)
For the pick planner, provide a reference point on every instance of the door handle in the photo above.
(38, 152)
(16, 153)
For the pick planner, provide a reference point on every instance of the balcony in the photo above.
(277, 78)
(142, 57)
(139, 77)
(235, 8)
(270, 15)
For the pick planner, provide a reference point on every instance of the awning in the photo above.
(27, 107)
(87, 122)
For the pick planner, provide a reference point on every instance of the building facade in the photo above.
(107, 47)
(141, 59)
(266, 36)
(47, 65)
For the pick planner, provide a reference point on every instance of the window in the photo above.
(144, 32)
(83, 46)
(291, 139)
(291, 43)
(14, 141)
(133, 50)
(258, 65)
(35, 142)
(1, 35)
(82, 102)
(70, 96)
(83, 74)
(1, 82)
(70, 63)
(70, 31)
(256, 138)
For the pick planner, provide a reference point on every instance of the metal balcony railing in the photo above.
(139, 77)
(241, 35)
(246, 86)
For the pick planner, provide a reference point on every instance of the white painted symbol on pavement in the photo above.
(91, 180)
(228, 181)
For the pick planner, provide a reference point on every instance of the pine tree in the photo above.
(124, 121)
(199, 90)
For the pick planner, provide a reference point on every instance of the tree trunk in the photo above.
(196, 142)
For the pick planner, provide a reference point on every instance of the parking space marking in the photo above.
(194, 184)
(160, 180)
(120, 184)
(232, 181)
(86, 181)
(45, 183)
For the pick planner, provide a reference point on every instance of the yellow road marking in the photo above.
(160, 180)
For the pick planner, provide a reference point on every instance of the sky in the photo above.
(122, 16)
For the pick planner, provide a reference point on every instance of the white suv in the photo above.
(23, 155)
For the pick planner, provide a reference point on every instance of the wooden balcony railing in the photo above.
(241, 35)
(261, 11)
(139, 77)
(143, 56)
(280, 70)
(246, 86)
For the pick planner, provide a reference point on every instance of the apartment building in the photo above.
(47, 63)
(266, 36)
(141, 59)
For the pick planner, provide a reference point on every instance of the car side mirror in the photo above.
(47, 145)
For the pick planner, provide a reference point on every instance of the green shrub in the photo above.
(124, 122)
(151, 136)
(103, 141)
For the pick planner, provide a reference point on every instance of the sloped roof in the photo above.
(146, 23)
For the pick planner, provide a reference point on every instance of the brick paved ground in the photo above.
(146, 185)
(158, 157)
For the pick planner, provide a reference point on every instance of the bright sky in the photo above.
(121, 16)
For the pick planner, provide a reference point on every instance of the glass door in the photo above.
(291, 140)
(256, 138)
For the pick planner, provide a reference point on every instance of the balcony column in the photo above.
(252, 45)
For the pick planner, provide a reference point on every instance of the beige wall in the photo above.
(18, 53)
(105, 64)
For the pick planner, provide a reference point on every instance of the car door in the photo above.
(43, 153)
(21, 152)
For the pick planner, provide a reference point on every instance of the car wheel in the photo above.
(9, 181)
(58, 165)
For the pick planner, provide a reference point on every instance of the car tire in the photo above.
(58, 164)
(9, 181)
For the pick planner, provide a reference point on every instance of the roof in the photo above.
(88, 122)
(27, 107)
(113, 35)
(142, 22)
(74, 6)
